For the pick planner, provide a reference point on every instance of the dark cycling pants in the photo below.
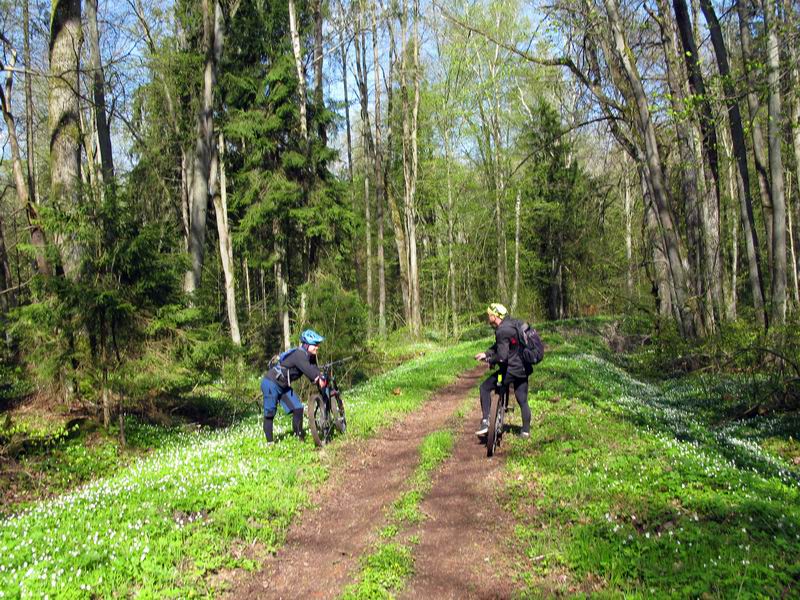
(274, 395)
(520, 391)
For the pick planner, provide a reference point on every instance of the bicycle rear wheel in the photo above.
(497, 413)
(319, 421)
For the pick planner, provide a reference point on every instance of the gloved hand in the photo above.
(322, 381)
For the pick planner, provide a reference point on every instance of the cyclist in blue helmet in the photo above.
(276, 385)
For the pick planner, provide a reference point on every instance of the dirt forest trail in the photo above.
(324, 545)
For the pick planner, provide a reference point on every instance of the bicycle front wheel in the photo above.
(497, 413)
(319, 421)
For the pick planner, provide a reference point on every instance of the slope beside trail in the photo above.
(324, 544)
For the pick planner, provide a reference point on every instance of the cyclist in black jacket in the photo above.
(505, 354)
(276, 385)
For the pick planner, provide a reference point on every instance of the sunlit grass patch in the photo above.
(162, 525)
(621, 481)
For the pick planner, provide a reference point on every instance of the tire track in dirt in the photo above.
(320, 556)
(461, 553)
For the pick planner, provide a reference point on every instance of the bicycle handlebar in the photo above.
(327, 366)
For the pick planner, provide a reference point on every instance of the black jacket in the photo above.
(505, 352)
(296, 362)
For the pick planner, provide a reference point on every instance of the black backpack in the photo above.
(531, 347)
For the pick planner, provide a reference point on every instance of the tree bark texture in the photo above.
(687, 309)
(64, 113)
(379, 180)
(759, 153)
(712, 268)
(743, 188)
(99, 95)
(201, 171)
(778, 312)
(20, 180)
(220, 197)
(298, 62)
(26, 51)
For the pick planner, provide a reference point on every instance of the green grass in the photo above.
(632, 490)
(161, 526)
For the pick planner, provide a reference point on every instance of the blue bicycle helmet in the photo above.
(311, 337)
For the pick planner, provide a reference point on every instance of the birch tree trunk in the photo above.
(410, 161)
(298, 63)
(394, 211)
(369, 158)
(628, 209)
(792, 245)
(220, 198)
(778, 312)
(379, 181)
(201, 171)
(451, 269)
(794, 87)
(246, 270)
(281, 285)
(319, 57)
(64, 126)
(517, 206)
(343, 50)
(99, 96)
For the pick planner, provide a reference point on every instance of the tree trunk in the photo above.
(220, 197)
(32, 186)
(794, 87)
(281, 285)
(778, 312)
(212, 45)
(394, 211)
(7, 293)
(451, 268)
(410, 163)
(99, 96)
(661, 285)
(369, 159)
(687, 309)
(319, 101)
(792, 252)
(517, 206)
(368, 235)
(712, 268)
(740, 154)
(628, 209)
(379, 181)
(298, 63)
(759, 154)
(21, 182)
(347, 109)
(688, 147)
(64, 110)
(246, 270)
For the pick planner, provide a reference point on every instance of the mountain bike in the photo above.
(497, 414)
(326, 413)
